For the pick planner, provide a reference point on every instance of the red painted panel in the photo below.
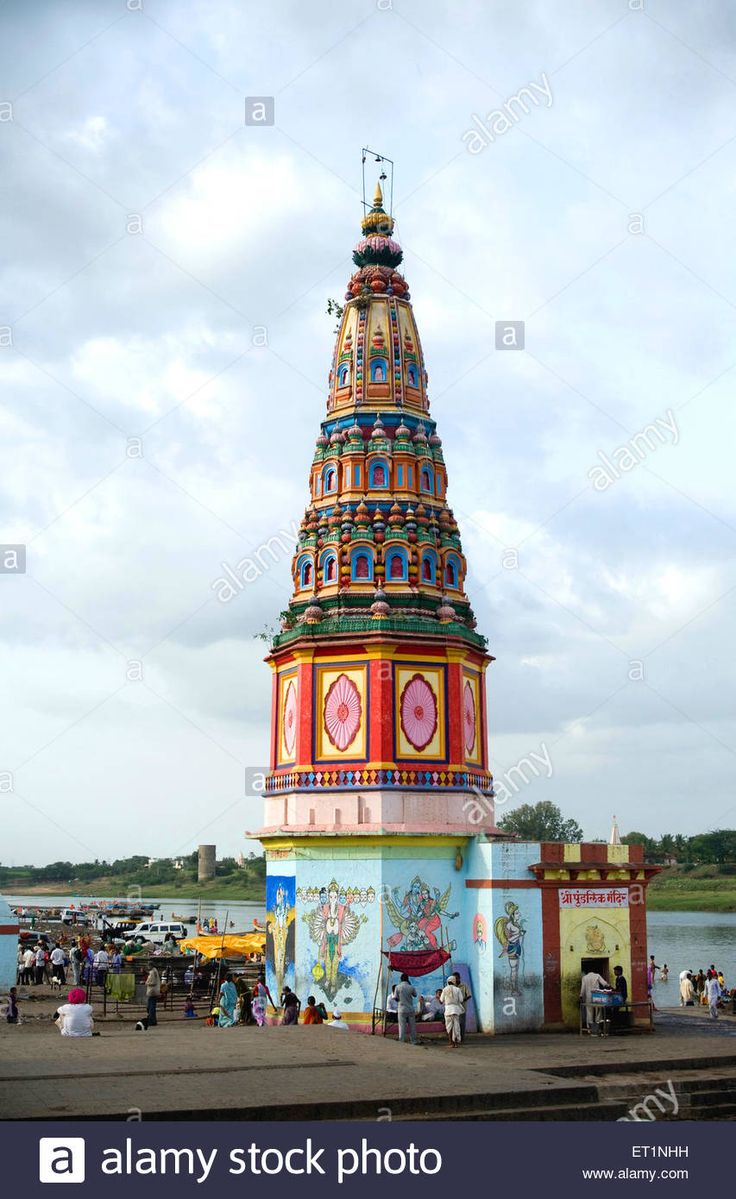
(274, 719)
(305, 696)
(380, 731)
(551, 954)
(456, 747)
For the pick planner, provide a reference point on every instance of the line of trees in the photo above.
(129, 871)
(704, 849)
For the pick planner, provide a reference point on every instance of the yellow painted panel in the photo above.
(618, 853)
(571, 853)
(591, 933)
(434, 676)
(287, 685)
(328, 732)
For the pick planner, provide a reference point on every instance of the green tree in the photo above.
(540, 822)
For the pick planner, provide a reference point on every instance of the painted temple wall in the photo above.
(326, 940)
(332, 946)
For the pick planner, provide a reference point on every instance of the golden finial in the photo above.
(378, 197)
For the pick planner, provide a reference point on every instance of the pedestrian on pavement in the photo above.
(592, 981)
(406, 995)
(40, 960)
(452, 1001)
(58, 961)
(713, 988)
(75, 961)
(153, 994)
(11, 1011)
(291, 1005)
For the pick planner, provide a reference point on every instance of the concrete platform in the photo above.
(184, 1070)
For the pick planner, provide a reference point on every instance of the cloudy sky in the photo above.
(148, 437)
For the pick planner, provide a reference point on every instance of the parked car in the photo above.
(157, 931)
(73, 916)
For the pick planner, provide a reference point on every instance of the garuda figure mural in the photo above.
(418, 915)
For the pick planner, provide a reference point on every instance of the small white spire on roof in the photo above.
(615, 837)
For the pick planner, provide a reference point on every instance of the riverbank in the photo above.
(674, 890)
(229, 888)
(699, 889)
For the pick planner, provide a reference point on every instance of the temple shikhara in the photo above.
(379, 814)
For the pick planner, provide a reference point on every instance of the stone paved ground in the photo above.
(183, 1067)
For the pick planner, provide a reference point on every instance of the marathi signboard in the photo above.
(593, 897)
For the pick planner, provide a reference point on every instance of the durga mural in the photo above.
(418, 915)
(332, 925)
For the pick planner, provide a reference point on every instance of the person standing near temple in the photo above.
(687, 991)
(40, 963)
(29, 961)
(153, 994)
(291, 1005)
(592, 981)
(58, 962)
(713, 990)
(75, 961)
(452, 1001)
(406, 996)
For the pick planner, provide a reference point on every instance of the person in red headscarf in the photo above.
(74, 1019)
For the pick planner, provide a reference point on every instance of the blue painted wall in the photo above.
(280, 931)
(515, 934)
(8, 949)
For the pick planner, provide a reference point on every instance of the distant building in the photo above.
(206, 862)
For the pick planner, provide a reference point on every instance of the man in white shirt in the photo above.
(336, 1021)
(40, 960)
(74, 1019)
(406, 995)
(592, 981)
(57, 963)
(29, 961)
(102, 965)
(713, 991)
(434, 1008)
(452, 998)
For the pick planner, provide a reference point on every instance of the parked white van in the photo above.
(157, 932)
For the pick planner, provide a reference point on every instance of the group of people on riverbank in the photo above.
(706, 987)
(240, 1004)
(237, 1003)
(45, 962)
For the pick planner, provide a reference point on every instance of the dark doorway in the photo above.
(599, 965)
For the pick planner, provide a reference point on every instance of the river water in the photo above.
(683, 940)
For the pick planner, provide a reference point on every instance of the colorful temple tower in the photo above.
(379, 821)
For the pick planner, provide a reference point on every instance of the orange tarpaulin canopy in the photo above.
(232, 945)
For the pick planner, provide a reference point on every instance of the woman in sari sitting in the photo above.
(228, 1000)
